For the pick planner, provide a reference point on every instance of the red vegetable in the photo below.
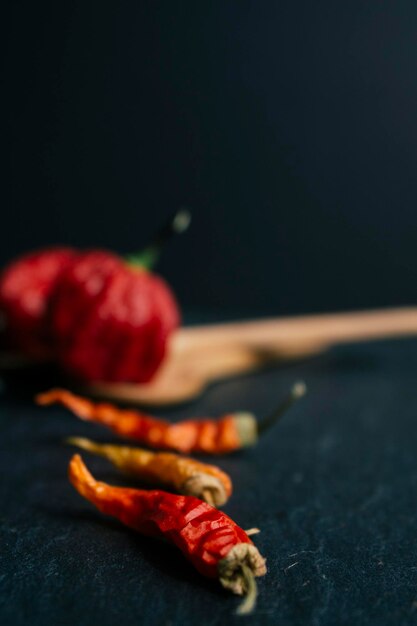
(215, 545)
(111, 319)
(209, 436)
(25, 288)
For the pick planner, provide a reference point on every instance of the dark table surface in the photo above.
(333, 488)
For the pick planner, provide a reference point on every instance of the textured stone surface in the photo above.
(333, 488)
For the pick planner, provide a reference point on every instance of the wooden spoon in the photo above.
(201, 355)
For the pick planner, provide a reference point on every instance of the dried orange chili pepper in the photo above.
(215, 545)
(183, 474)
(209, 436)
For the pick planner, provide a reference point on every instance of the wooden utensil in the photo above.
(201, 355)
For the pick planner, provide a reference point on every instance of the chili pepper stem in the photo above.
(249, 602)
(237, 571)
(148, 257)
(252, 531)
(297, 391)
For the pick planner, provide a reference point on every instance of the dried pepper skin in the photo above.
(205, 535)
(182, 474)
(111, 321)
(26, 286)
(207, 436)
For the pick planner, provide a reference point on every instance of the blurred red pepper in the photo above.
(111, 319)
(25, 288)
(103, 318)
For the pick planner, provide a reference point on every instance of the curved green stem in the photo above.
(147, 258)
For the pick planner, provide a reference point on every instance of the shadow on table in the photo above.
(156, 552)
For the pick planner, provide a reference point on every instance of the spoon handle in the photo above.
(307, 331)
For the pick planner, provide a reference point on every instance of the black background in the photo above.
(289, 127)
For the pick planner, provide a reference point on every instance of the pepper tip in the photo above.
(299, 389)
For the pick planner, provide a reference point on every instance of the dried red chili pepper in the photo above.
(26, 285)
(215, 545)
(209, 436)
(182, 474)
(111, 319)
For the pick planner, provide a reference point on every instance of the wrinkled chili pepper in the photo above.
(26, 285)
(111, 319)
(182, 474)
(208, 436)
(215, 545)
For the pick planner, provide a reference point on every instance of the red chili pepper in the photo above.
(111, 319)
(25, 288)
(215, 545)
(229, 433)
(209, 436)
